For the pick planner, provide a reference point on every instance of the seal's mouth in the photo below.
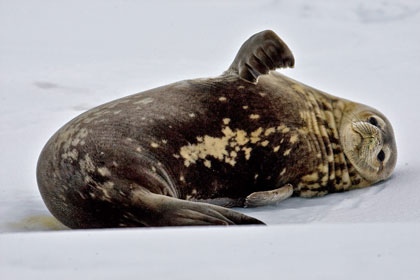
(366, 145)
(370, 138)
(366, 130)
(354, 138)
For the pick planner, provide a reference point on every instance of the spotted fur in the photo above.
(240, 139)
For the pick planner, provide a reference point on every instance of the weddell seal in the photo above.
(177, 154)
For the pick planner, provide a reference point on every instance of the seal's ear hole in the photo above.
(373, 121)
(381, 156)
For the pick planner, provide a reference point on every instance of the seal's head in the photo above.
(368, 142)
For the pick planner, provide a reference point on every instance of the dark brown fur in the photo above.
(140, 161)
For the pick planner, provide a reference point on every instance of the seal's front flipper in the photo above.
(261, 53)
(268, 197)
(160, 210)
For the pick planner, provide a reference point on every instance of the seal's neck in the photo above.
(328, 116)
(339, 107)
(323, 116)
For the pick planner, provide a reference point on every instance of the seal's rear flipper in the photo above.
(261, 53)
(160, 210)
(268, 197)
(223, 201)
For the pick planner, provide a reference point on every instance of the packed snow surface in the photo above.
(58, 59)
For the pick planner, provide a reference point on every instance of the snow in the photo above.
(286, 251)
(58, 59)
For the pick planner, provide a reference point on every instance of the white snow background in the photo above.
(60, 58)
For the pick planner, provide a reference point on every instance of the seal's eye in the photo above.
(381, 156)
(373, 121)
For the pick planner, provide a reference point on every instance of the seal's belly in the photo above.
(236, 161)
(221, 141)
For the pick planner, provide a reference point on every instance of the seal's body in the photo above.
(246, 138)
